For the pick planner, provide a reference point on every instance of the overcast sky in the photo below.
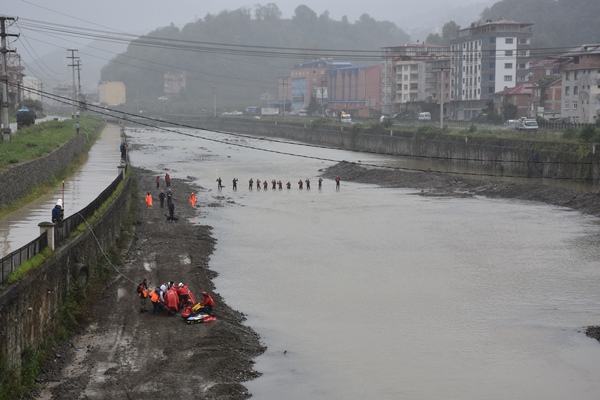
(138, 17)
(141, 16)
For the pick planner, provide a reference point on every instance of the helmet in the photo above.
(204, 294)
(180, 284)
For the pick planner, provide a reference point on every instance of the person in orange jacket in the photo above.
(142, 291)
(149, 200)
(193, 200)
(208, 304)
(155, 299)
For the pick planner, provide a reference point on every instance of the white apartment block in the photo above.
(411, 75)
(487, 58)
(581, 85)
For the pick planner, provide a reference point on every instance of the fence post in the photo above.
(122, 170)
(48, 228)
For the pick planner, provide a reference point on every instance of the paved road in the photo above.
(99, 170)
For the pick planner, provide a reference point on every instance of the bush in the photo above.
(588, 134)
(570, 133)
(472, 128)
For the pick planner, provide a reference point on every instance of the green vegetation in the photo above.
(38, 140)
(557, 23)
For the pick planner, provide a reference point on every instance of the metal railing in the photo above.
(62, 230)
(12, 261)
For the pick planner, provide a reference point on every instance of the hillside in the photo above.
(240, 54)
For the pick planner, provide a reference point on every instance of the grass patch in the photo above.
(38, 140)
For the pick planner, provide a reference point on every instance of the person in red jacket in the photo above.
(172, 300)
(208, 304)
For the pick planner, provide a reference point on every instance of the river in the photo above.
(379, 293)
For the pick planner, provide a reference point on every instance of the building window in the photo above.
(567, 90)
(574, 104)
(575, 89)
(508, 65)
(522, 66)
(507, 78)
(567, 76)
(509, 41)
(575, 74)
(492, 40)
(508, 53)
(566, 104)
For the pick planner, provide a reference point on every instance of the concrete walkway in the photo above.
(100, 169)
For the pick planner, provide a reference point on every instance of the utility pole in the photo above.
(72, 57)
(442, 69)
(322, 95)
(214, 88)
(4, 78)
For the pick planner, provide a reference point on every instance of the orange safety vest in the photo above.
(149, 200)
(154, 297)
(193, 200)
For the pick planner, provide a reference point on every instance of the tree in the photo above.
(313, 105)
(434, 38)
(269, 12)
(509, 111)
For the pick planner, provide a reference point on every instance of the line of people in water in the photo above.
(276, 184)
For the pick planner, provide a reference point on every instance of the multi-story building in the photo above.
(520, 97)
(32, 88)
(486, 58)
(353, 89)
(111, 93)
(308, 80)
(174, 83)
(547, 89)
(412, 76)
(581, 84)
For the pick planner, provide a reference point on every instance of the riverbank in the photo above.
(123, 353)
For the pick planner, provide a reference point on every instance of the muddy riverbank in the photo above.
(125, 353)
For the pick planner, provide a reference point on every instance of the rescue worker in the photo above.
(208, 304)
(142, 291)
(155, 299)
(168, 180)
(337, 182)
(162, 196)
(273, 182)
(258, 184)
(157, 181)
(307, 183)
(235, 183)
(185, 295)
(280, 184)
(219, 182)
(169, 197)
(193, 200)
(288, 185)
(172, 301)
(149, 200)
(57, 212)
(265, 184)
(250, 182)
(300, 184)
(320, 182)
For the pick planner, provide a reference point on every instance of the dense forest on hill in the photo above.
(239, 54)
(557, 23)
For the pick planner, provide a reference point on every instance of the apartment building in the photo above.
(486, 58)
(581, 84)
(411, 77)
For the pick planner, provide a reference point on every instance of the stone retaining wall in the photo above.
(20, 179)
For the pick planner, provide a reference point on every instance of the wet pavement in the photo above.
(99, 170)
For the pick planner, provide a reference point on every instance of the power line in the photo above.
(152, 121)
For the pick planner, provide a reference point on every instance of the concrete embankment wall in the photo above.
(21, 178)
(502, 157)
(29, 310)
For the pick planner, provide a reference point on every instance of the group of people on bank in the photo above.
(164, 196)
(172, 298)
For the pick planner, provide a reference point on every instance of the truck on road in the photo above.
(25, 117)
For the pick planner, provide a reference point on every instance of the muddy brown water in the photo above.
(377, 293)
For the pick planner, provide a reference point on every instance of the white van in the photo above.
(510, 124)
(346, 118)
(425, 116)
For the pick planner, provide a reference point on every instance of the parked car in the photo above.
(526, 124)
(510, 124)
(425, 116)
